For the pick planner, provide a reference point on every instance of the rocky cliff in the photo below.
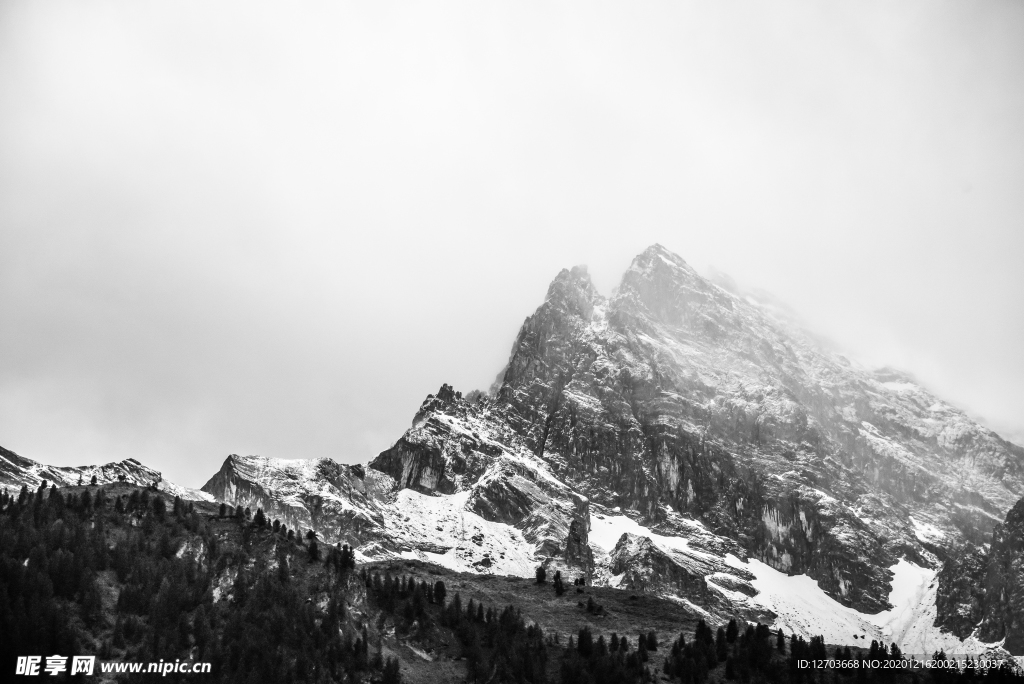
(1004, 584)
(981, 588)
(340, 502)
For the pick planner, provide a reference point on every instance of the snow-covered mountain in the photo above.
(17, 472)
(679, 438)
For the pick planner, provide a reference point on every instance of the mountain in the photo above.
(681, 439)
(17, 472)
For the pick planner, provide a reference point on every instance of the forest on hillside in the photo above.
(129, 575)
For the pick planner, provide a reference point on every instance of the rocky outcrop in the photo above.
(960, 598)
(639, 564)
(577, 545)
(342, 503)
(1004, 584)
(459, 445)
(981, 588)
(427, 458)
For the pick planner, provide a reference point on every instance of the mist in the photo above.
(245, 228)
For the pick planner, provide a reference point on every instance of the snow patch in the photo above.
(900, 386)
(804, 608)
(605, 531)
(926, 532)
(439, 529)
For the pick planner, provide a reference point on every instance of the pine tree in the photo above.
(559, 585)
(283, 571)
(585, 642)
(392, 673)
(732, 631)
(159, 507)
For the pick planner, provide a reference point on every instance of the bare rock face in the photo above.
(642, 566)
(677, 391)
(981, 588)
(960, 599)
(1004, 584)
(639, 564)
(577, 544)
(456, 445)
(341, 503)
(426, 458)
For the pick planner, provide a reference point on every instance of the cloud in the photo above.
(246, 228)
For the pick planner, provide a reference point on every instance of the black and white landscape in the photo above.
(302, 288)
(681, 440)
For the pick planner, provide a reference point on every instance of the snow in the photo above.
(800, 604)
(927, 532)
(900, 386)
(605, 531)
(420, 520)
(804, 608)
(186, 493)
(911, 621)
(583, 401)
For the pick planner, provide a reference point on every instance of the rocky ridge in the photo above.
(17, 471)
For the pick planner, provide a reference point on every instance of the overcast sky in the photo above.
(266, 229)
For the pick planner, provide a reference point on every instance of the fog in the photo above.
(258, 229)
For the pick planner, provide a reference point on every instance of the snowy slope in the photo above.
(803, 608)
(441, 530)
(17, 471)
(800, 605)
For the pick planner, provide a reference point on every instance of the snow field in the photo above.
(802, 607)
(472, 544)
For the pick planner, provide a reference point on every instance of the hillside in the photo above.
(130, 575)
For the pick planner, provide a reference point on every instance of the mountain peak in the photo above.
(574, 282)
(660, 252)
